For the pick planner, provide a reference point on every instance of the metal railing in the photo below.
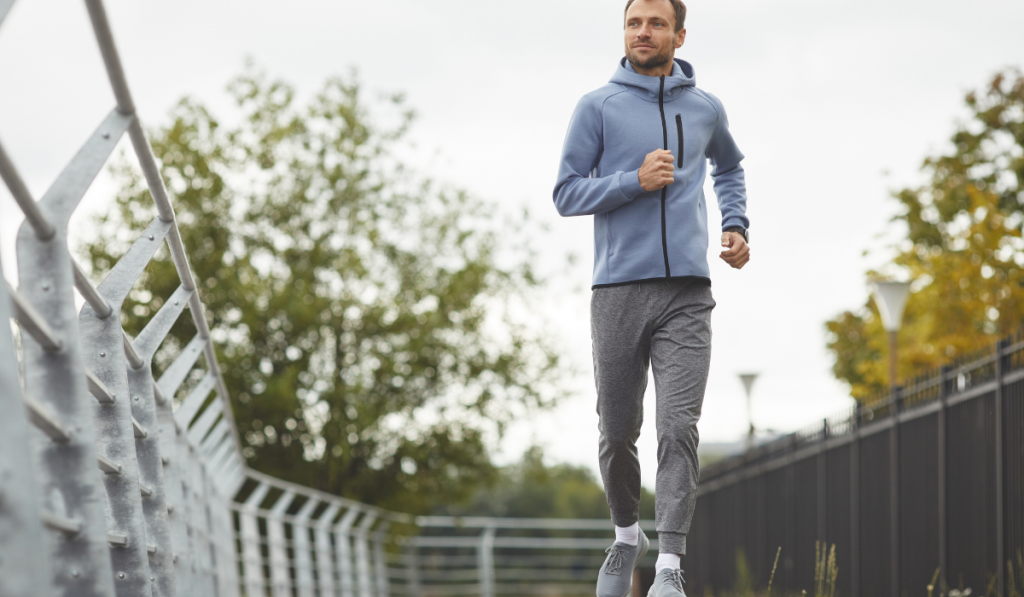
(508, 556)
(931, 477)
(113, 491)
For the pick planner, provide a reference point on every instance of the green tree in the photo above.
(531, 489)
(963, 249)
(363, 314)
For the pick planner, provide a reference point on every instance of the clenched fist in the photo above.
(658, 170)
(735, 250)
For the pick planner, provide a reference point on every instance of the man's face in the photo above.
(651, 39)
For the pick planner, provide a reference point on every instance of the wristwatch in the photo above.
(740, 230)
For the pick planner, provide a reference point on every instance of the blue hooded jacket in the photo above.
(640, 235)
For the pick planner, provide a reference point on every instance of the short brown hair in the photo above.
(676, 4)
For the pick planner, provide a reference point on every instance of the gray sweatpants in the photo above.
(666, 324)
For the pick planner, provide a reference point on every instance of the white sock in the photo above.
(666, 560)
(629, 535)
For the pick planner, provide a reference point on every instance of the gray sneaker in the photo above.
(667, 583)
(616, 576)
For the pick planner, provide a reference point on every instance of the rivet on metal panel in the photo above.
(106, 135)
(75, 573)
(46, 287)
(121, 575)
(151, 237)
(103, 355)
(136, 398)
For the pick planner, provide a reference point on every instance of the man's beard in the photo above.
(652, 61)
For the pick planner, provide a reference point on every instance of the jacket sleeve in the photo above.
(577, 192)
(730, 180)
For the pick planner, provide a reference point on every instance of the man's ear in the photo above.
(680, 38)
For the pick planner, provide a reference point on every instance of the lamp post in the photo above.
(891, 298)
(748, 384)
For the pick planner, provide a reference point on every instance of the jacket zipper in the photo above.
(679, 131)
(664, 190)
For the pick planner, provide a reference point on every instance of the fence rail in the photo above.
(930, 477)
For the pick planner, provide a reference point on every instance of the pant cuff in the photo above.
(625, 520)
(672, 543)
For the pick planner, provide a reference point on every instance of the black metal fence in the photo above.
(930, 477)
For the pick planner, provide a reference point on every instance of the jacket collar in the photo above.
(647, 88)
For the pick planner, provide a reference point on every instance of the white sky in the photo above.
(825, 97)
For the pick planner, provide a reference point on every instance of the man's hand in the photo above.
(737, 252)
(658, 170)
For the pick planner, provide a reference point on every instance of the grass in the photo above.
(826, 573)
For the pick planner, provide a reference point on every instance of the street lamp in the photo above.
(748, 385)
(891, 298)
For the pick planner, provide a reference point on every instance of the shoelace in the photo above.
(675, 578)
(616, 558)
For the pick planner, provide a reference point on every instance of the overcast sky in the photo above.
(834, 102)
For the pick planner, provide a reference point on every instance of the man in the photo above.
(635, 158)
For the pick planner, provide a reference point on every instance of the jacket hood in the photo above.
(647, 87)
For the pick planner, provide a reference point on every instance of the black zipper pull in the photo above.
(679, 131)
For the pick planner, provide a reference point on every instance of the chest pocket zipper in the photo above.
(679, 131)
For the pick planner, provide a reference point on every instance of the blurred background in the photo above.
(835, 103)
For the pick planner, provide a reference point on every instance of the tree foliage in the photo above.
(963, 249)
(532, 489)
(364, 315)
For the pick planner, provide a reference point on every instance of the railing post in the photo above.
(343, 542)
(227, 553)
(941, 456)
(250, 532)
(485, 559)
(855, 504)
(363, 555)
(380, 562)
(999, 459)
(21, 530)
(324, 561)
(280, 580)
(104, 353)
(69, 484)
(151, 471)
(894, 489)
(822, 486)
(174, 454)
(303, 550)
(413, 565)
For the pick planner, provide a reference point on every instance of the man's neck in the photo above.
(665, 70)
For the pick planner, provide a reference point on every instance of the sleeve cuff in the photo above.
(629, 182)
(735, 223)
